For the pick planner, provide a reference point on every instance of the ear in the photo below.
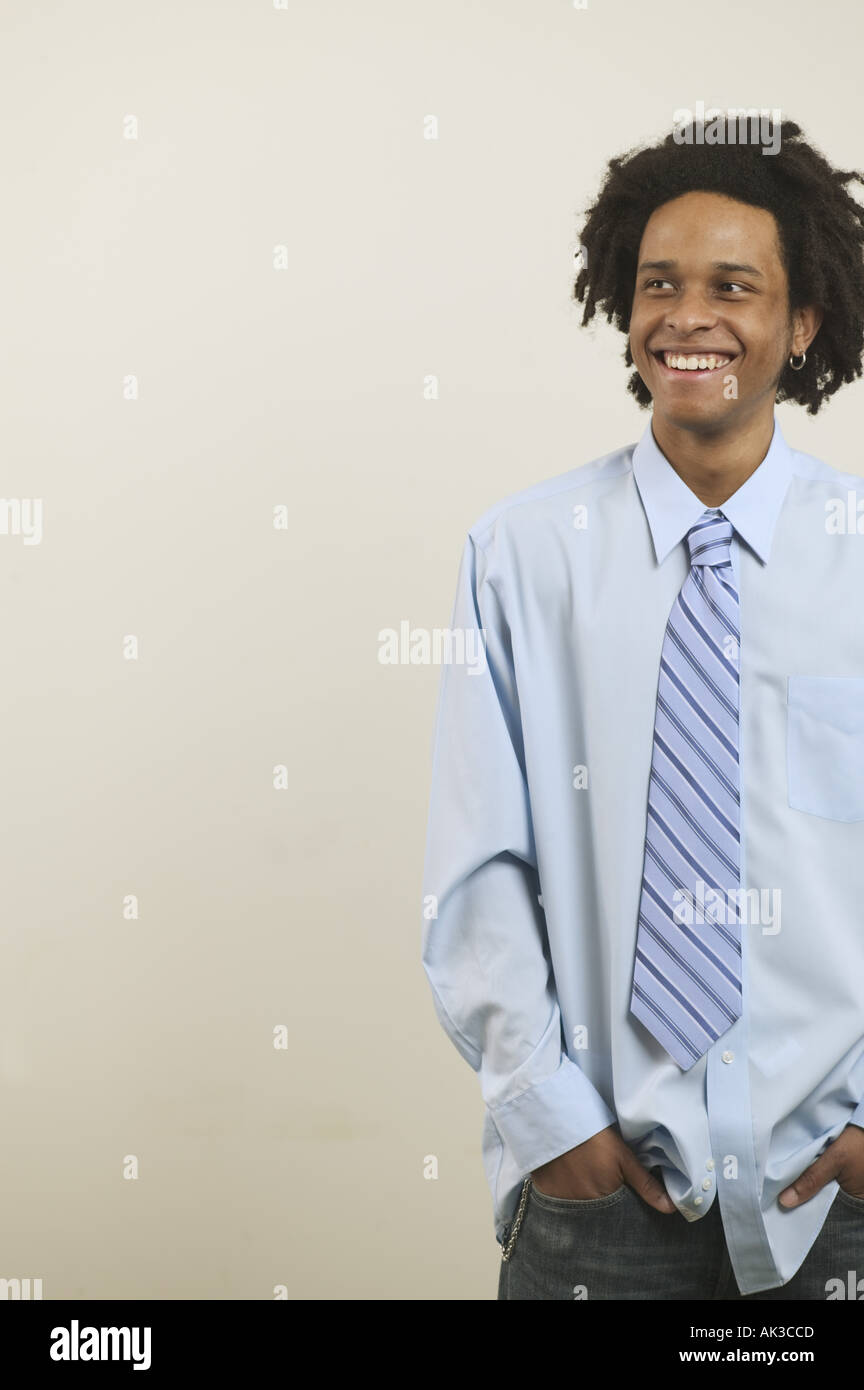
(806, 323)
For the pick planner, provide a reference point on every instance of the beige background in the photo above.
(258, 387)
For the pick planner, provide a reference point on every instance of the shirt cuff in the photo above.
(857, 1116)
(555, 1115)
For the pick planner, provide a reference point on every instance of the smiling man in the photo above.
(667, 734)
(713, 362)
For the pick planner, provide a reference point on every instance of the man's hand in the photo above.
(600, 1166)
(843, 1161)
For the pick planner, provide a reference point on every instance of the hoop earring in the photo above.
(800, 364)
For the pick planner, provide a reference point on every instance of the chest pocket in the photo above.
(825, 746)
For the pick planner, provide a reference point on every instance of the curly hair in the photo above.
(820, 227)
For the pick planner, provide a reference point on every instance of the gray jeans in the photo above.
(617, 1247)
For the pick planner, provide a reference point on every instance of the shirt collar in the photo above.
(671, 508)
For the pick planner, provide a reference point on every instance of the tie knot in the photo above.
(710, 539)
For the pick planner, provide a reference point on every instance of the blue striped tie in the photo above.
(687, 972)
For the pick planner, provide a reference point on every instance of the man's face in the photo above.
(710, 282)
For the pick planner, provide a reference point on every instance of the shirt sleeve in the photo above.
(485, 950)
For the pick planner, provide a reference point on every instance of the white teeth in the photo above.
(694, 364)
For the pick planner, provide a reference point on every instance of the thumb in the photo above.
(636, 1175)
(809, 1182)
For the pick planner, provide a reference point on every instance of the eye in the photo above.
(734, 284)
(649, 283)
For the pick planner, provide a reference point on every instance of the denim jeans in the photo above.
(617, 1247)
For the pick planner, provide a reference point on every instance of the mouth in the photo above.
(692, 366)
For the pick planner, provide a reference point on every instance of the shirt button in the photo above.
(706, 1183)
(710, 1164)
(728, 1056)
(697, 1201)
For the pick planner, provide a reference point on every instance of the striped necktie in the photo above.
(687, 972)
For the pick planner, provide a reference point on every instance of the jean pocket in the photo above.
(544, 1199)
(825, 746)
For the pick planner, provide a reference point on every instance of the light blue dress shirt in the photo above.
(536, 836)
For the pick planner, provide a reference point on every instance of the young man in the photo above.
(644, 872)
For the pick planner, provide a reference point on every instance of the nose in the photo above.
(691, 311)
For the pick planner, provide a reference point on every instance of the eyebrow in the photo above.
(718, 265)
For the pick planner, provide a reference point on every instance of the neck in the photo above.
(714, 465)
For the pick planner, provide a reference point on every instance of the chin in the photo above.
(708, 417)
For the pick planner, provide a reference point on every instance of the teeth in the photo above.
(694, 364)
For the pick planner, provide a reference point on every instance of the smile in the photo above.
(699, 364)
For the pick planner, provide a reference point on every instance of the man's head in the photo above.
(702, 250)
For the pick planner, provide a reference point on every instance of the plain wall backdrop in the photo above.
(231, 261)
